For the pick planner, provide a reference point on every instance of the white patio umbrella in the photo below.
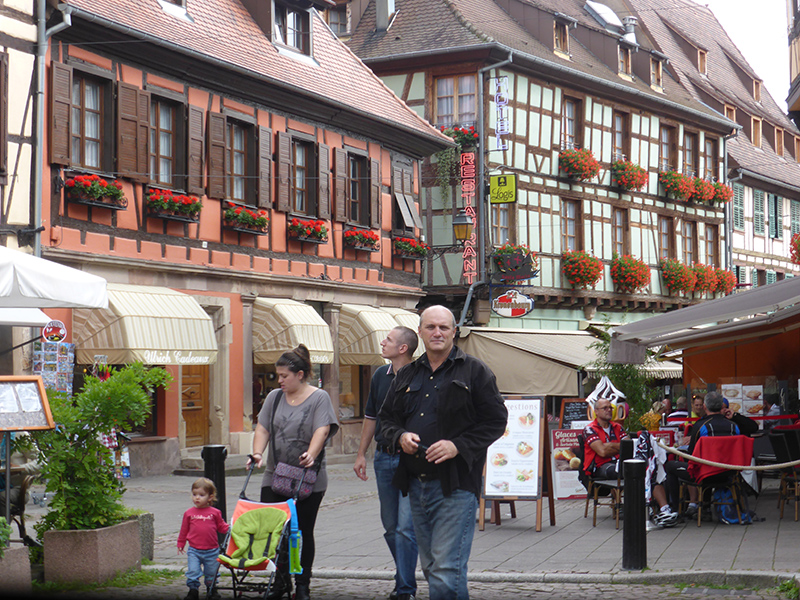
(27, 281)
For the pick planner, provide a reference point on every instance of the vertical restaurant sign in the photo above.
(502, 114)
(468, 187)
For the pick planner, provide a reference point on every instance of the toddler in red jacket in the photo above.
(200, 526)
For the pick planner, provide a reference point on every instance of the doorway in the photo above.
(194, 404)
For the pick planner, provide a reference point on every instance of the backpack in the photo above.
(726, 509)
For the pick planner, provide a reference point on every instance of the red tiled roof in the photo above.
(224, 30)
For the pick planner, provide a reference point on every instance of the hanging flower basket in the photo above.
(678, 278)
(628, 175)
(410, 248)
(361, 239)
(578, 163)
(311, 231)
(722, 193)
(702, 191)
(239, 217)
(676, 185)
(629, 274)
(510, 257)
(165, 204)
(582, 270)
(726, 281)
(93, 190)
(705, 277)
(447, 160)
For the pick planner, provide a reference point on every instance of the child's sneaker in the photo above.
(194, 594)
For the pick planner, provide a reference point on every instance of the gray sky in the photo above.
(759, 30)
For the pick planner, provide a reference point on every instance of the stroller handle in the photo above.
(249, 467)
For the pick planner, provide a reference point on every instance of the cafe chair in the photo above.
(601, 492)
(785, 444)
(729, 449)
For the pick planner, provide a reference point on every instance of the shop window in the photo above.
(571, 123)
(357, 189)
(570, 225)
(456, 101)
(666, 237)
(354, 383)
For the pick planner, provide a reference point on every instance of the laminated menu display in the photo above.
(55, 362)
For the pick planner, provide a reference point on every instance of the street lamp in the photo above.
(462, 230)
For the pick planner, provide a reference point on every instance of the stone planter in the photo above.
(92, 555)
(147, 536)
(15, 572)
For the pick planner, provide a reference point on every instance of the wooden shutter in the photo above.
(284, 168)
(60, 113)
(758, 212)
(264, 167)
(375, 194)
(217, 125)
(397, 180)
(324, 190)
(143, 137)
(127, 129)
(340, 184)
(194, 168)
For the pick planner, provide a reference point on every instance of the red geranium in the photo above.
(629, 274)
(582, 270)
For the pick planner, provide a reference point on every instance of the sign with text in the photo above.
(565, 478)
(502, 189)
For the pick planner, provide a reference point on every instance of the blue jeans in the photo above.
(204, 561)
(397, 523)
(444, 527)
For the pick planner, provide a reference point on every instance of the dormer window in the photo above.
(702, 62)
(561, 38)
(337, 20)
(779, 141)
(756, 132)
(624, 60)
(757, 90)
(292, 28)
(797, 149)
(176, 8)
(730, 112)
(656, 74)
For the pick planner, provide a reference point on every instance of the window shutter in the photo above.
(795, 216)
(758, 212)
(340, 184)
(143, 139)
(194, 183)
(375, 194)
(3, 118)
(738, 206)
(778, 217)
(264, 167)
(754, 273)
(324, 191)
(284, 165)
(127, 130)
(741, 274)
(61, 113)
(772, 277)
(771, 217)
(217, 125)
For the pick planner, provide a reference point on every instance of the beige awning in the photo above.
(280, 324)
(152, 325)
(407, 319)
(540, 362)
(362, 328)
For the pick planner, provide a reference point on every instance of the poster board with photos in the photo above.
(23, 404)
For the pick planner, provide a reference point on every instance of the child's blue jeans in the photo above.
(201, 561)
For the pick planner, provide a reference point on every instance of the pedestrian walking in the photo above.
(443, 410)
(199, 528)
(398, 347)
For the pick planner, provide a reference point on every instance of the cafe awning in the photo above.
(362, 328)
(152, 325)
(280, 324)
(407, 319)
(541, 361)
(23, 317)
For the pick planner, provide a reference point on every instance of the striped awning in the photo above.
(281, 324)
(408, 319)
(362, 328)
(152, 325)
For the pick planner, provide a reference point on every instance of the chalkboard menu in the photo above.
(572, 409)
(23, 404)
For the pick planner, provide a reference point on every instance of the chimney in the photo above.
(384, 10)
(629, 26)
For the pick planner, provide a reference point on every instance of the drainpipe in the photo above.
(42, 37)
(729, 206)
(483, 153)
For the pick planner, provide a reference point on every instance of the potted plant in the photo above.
(308, 231)
(722, 193)
(582, 270)
(361, 239)
(726, 282)
(628, 175)
(410, 248)
(85, 532)
(94, 190)
(447, 160)
(163, 203)
(794, 248)
(510, 257)
(705, 277)
(702, 191)
(578, 163)
(629, 274)
(241, 218)
(678, 278)
(676, 185)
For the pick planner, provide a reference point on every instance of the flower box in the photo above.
(172, 216)
(628, 175)
(93, 190)
(678, 278)
(702, 191)
(726, 282)
(308, 231)
(409, 248)
(705, 278)
(629, 274)
(578, 163)
(361, 239)
(165, 204)
(676, 185)
(581, 269)
(511, 257)
(722, 193)
(245, 219)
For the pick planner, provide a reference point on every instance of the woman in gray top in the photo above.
(303, 421)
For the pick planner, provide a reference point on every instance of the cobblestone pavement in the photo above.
(362, 589)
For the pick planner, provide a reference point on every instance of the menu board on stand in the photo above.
(518, 464)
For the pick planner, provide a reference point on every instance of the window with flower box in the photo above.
(357, 188)
(571, 123)
(456, 100)
(303, 181)
(164, 123)
(357, 203)
(667, 148)
(666, 237)
(503, 231)
(710, 159)
(405, 215)
(689, 242)
(570, 225)
(690, 154)
(621, 136)
(619, 231)
(712, 245)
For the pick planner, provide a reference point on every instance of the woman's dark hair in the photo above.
(296, 360)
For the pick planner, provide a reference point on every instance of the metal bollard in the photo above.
(634, 532)
(214, 464)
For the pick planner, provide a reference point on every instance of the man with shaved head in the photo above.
(443, 411)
